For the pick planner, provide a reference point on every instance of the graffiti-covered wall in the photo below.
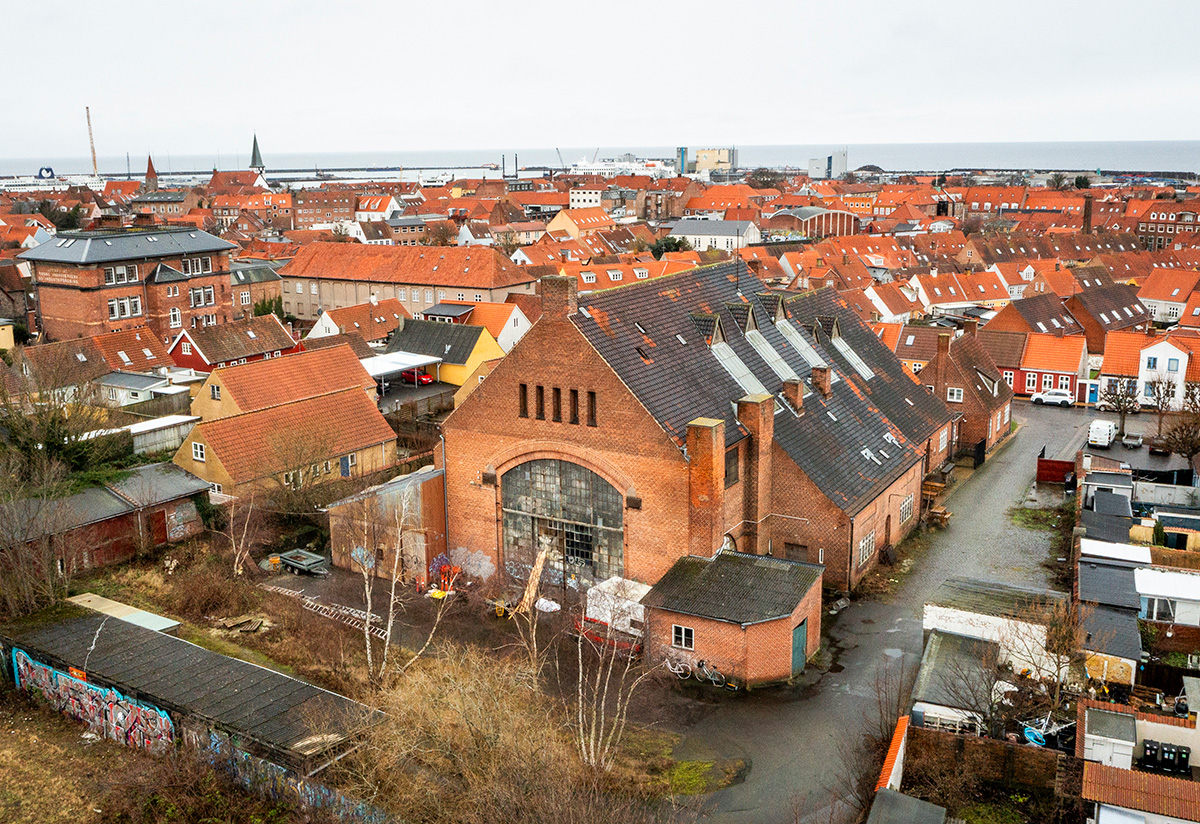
(105, 710)
(274, 781)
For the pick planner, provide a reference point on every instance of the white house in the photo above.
(375, 207)
(717, 234)
(1169, 359)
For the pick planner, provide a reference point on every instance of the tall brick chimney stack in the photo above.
(944, 343)
(1087, 214)
(757, 414)
(821, 380)
(706, 486)
(970, 327)
(560, 297)
(793, 390)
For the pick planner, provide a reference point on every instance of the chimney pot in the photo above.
(944, 344)
(821, 380)
(970, 327)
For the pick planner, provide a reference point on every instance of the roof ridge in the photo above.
(284, 403)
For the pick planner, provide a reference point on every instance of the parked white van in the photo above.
(1101, 434)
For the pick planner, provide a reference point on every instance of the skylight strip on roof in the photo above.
(738, 370)
(797, 340)
(860, 366)
(774, 360)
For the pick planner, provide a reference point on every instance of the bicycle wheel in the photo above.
(718, 680)
(683, 671)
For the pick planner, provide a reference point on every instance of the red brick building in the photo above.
(167, 279)
(677, 416)
(320, 206)
(964, 376)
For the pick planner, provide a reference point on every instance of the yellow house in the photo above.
(234, 390)
(476, 378)
(336, 435)
(462, 347)
(6, 334)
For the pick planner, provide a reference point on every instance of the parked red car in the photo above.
(415, 377)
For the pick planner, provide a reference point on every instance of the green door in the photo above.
(799, 646)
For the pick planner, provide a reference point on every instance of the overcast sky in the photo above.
(327, 76)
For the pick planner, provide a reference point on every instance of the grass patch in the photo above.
(691, 777)
(989, 813)
(213, 642)
(1048, 520)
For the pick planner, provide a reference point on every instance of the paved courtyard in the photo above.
(795, 744)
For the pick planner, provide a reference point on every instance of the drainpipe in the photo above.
(850, 559)
(445, 503)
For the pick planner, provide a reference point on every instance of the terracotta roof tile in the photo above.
(374, 321)
(134, 350)
(1143, 791)
(1054, 354)
(491, 316)
(227, 342)
(270, 441)
(480, 268)
(1122, 353)
(265, 383)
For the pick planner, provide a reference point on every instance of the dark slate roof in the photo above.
(1006, 349)
(731, 228)
(131, 380)
(1107, 305)
(241, 274)
(228, 342)
(104, 247)
(1114, 528)
(948, 657)
(452, 342)
(924, 342)
(1111, 631)
(734, 587)
(987, 597)
(162, 273)
(891, 807)
(358, 345)
(681, 378)
(158, 483)
(448, 310)
(1107, 582)
(290, 717)
(1045, 310)
(1176, 522)
(1110, 503)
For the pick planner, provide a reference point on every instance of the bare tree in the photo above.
(1161, 397)
(507, 242)
(1045, 636)
(1120, 396)
(976, 687)
(1183, 435)
(242, 526)
(607, 680)
(35, 550)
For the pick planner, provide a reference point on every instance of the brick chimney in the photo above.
(970, 327)
(706, 486)
(821, 380)
(793, 390)
(559, 296)
(944, 343)
(757, 414)
(1087, 214)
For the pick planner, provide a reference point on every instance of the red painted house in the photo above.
(1035, 362)
(212, 347)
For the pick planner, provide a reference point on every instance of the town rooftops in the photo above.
(988, 598)
(255, 704)
(132, 349)
(374, 320)
(1142, 791)
(88, 248)
(734, 587)
(1111, 631)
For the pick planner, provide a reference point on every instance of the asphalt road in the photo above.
(796, 744)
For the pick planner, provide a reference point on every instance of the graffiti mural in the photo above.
(105, 710)
(274, 781)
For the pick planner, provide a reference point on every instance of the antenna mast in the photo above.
(92, 141)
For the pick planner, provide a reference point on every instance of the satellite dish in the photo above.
(45, 172)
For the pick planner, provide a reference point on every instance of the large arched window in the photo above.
(567, 509)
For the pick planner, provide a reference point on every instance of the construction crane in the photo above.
(92, 141)
(562, 165)
(596, 155)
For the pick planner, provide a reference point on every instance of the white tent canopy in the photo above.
(394, 362)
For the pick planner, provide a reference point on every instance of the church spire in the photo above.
(151, 182)
(256, 161)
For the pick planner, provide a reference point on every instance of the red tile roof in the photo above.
(279, 438)
(1142, 791)
(258, 385)
(227, 342)
(1122, 353)
(1169, 285)
(1050, 353)
(491, 316)
(475, 267)
(374, 321)
(134, 350)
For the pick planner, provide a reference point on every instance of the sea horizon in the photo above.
(1169, 156)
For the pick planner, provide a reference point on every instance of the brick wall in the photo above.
(994, 761)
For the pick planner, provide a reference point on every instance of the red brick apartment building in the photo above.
(168, 279)
(685, 415)
(319, 206)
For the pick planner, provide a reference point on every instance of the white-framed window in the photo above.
(1006, 410)
(245, 298)
(683, 637)
(1030, 381)
(1064, 381)
(428, 296)
(214, 392)
(1158, 609)
(906, 509)
(944, 437)
(176, 317)
(954, 394)
(112, 393)
(352, 459)
(214, 487)
(866, 547)
(1008, 377)
(401, 294)
(312, 288)
(197, 451)
(186, 348)
(1047, 381)
(441, 295)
